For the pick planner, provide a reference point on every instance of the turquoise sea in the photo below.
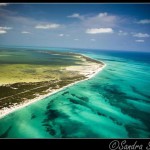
(113, 104)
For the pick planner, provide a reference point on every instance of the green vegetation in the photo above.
(92, 60)
(22, 79)
(19, 92)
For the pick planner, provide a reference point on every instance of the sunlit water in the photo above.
(113, 104)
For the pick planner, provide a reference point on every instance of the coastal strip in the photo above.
(88, 75)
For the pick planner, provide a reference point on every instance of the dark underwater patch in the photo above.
(116, 98)
(73, 95)
(65, 93)
(100, 114)
(111, 118)
(107, 77)
(139, 115)
(113, 93)
(52, 114)
(79, 102)
(5, 134)
(49, 121)
(63, 131)
(86, 99)
(76, 129)
(134, 89)
(75, 101)
(111, 69)
(69, 128)
(136, 99)
(96, 86)
(50, 104)
(114, 90)
(82, 103)
(115, 121)
(50, 130)
(134, 132)
(33, 116)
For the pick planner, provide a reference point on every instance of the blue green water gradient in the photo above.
(113, 104)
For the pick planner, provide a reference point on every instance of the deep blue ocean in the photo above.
(113, 104)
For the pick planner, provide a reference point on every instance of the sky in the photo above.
(92, 26)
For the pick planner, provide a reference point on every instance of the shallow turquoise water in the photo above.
(113, 104)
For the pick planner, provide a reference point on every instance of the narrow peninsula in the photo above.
(30, 75)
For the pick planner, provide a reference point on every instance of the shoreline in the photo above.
(6, 111)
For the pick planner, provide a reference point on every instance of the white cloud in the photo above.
(76, 39)
(99, 30)
(122, 33)
(48, 26)
(12, 18)
(102, 14)
(3, 4)
(76, 15)
(144, 21)
(103, 19)
(141, 35)
(25, 32)
(140, 41)
(3, 30)
(61, 34)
